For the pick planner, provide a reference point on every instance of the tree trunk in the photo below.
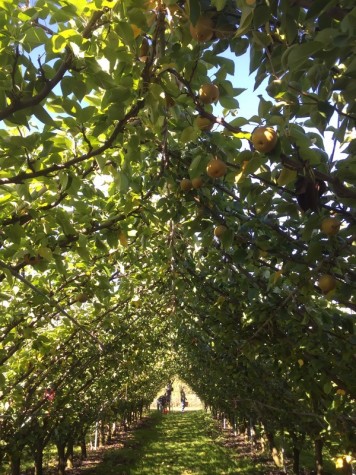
(109, 437)
(298, 440)
(296, 460)
(15, 461)
(38, 459)
(62, 462)
(70, 454)
(37, 448)
(277, 456)
(346, 468)
(318, 447)
(102, 433)
(83, 448)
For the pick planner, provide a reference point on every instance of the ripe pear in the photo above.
(81, 297)
(185, 184)
(264, 139)
(203, 30)
(220, 230)
(330, 226)
(216, 168)
(203, 123)
(327, 283)
(209, 93)
(197, 182)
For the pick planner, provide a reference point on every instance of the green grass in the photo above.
(175, 444)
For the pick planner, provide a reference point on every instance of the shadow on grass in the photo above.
(173, 444)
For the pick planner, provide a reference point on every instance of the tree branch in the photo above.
(93, 153)
(48, 87)
(18, 105)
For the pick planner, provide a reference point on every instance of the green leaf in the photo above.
(42, 115)
(9, 277)
(318, 7)
(327, 387)
(261, 15)
(64, 222)
(245, 22)
(197, 166)
(124, 182)
(125, 32)
(254, 164)
(298, 55)
(34, 37)
(189, 134)
(194, 11)
(228, 102)
(219, 4)
(58, 43)
(238, 122)
(286, 176)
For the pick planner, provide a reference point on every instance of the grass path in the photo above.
(172, 444)
(185, 446)
(180, 444)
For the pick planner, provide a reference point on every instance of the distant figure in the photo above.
(183, 398)
(168, 394)
(161, 403)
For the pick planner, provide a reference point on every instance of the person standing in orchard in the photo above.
(183, 398)
(169, 390)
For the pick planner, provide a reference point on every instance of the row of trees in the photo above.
(129, 253)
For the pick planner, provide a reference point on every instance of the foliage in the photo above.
(112, 279)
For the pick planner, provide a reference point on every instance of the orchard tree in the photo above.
(150, 227)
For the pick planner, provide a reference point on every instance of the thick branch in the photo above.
(93, 153)
(339, 188)
(48, 87)
(18, 105)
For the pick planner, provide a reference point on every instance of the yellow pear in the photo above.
(81, 297)
(220, 230)
(330, 226)
(185, 184)
(264, 139)
(197, 182)
(327, 283)
(209, 93)
(216, 168)
(203, 30)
